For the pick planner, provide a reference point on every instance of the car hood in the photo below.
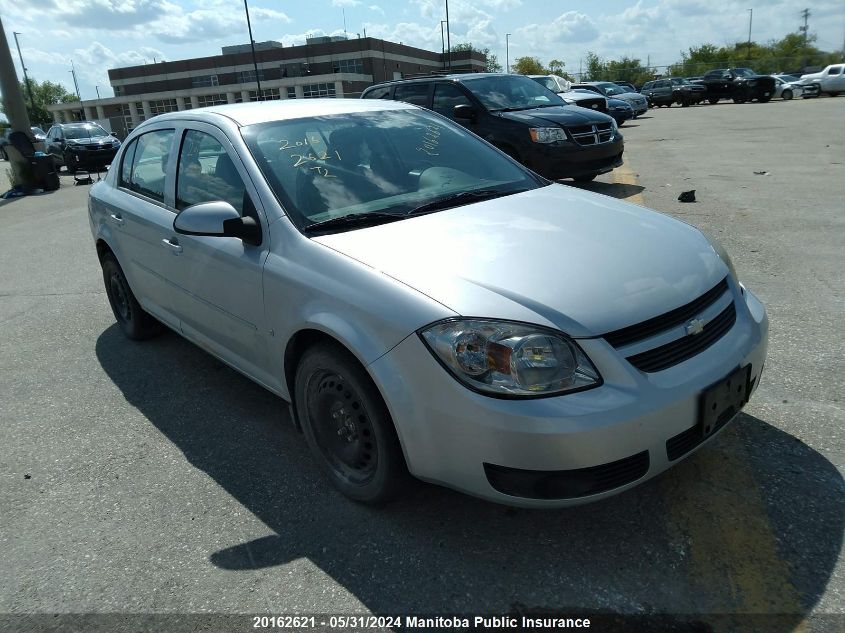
(631, 97)
(613, 102)
(557, 256)
(811, 76)
(561, 115)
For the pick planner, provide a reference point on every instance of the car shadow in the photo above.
(614, 189)
(437, 551)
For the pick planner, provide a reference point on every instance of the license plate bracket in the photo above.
(721, 401)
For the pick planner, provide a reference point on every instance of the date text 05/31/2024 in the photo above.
(419, 622)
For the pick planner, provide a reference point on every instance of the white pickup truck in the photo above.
(830, 80)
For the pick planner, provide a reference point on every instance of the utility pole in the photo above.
(448, 39)
(97, 88)
(443, 43)
(252, 45)
(805, 30)
(11, 89)
(750, 17)
(25, 76)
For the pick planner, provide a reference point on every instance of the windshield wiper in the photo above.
(457, 199)
(353, 220)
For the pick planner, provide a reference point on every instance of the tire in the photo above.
(136, 324)
(712, 101)
(347, 425)
(786, 95)
(587, 178)
(764, 99)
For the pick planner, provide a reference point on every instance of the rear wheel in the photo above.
(347, 425)
(786, 95)
(130, 316)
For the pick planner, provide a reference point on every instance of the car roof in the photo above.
(264, 111)
(448, 77)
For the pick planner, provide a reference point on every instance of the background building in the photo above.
(322, 67)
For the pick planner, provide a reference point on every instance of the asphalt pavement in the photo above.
(150, 478)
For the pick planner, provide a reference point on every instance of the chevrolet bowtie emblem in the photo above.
(696, 326)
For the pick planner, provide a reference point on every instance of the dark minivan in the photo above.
(519, 116)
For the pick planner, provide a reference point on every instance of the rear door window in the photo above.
(149, 164)
(208, 174)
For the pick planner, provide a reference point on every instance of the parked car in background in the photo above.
(525, 120)
(620, 110)
(786, 90)
(669, 90)
(739, 84)
(586, 99)
(831, 80)
(555, 83)
(694, 79)
(625, 84)
(37, 134)
(83, 145)
(638, 102)
(424, 303)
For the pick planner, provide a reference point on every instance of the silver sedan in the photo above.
(427, 305)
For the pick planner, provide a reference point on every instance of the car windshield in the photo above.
(609, 89)
(511, 92)
(83, 130)
(744, 72)
(381, 164)
(679, 81)
(546, 82)
(38, 130)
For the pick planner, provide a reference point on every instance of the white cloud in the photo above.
(376, 8)
(345, 3)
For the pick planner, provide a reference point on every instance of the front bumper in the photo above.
(568, 159)
(452, 436)
(90, 158)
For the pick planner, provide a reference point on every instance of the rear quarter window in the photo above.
(416, 93)
(378, 93)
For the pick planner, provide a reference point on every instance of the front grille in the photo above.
(593, 134)
(645, 329)
(679, 350)
(567, 484)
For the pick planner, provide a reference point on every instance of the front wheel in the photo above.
(786, 95)
(130, 316)
(347, 425)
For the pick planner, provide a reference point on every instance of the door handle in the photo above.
(173, 246)
(117, 219)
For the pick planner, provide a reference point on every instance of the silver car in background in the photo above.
(428, 305)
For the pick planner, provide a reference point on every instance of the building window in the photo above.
(271, 94)
(291, 92)
(126, 113)
(118, 91)
(204, 81)
(163, 105)
(291, 70)
(186, 103)
(348, 66)
(313, 91)
(211, 100)
(248, 76)
(139, 109)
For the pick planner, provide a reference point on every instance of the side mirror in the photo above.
(464, 112)
(217, 219)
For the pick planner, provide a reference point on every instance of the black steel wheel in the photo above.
(347, 425)
(130, 316)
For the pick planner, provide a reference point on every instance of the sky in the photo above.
(101, 34)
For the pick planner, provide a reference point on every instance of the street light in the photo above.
(507, 53)
(750, 17)
(448, 38)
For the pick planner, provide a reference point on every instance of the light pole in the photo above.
(443, 42)
(448, 38)
(97, 88)
(25, 76)
(252, 44)
(507, 54)
(750, 17)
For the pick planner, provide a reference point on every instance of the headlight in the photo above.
(547, 134)
(510, 359)
(723, 255)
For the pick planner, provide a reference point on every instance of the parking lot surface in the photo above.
(149, 477)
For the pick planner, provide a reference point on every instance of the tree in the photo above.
(492, 66)
(528, 66)
(556, 67)
(43, 94)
